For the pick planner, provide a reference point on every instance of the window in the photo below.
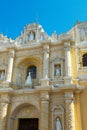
(84, 60)
(32, 70)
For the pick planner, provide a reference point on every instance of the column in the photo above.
(45, 80)
(3, 112)
(44, 124)
(70, 112)
(10, 65)
(67, 63)
(46, 62)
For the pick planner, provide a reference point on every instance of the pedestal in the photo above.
(44, 82)
(68, 80)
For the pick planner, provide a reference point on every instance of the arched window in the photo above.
(84, 60)
(33, 71)
(32, 36)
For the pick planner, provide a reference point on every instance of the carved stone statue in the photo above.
(31, 37)
(2, 75)
(58, 124)
(28, 80)
(58, 71)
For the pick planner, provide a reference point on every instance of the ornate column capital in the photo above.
(46, 48)
(5, 99)
(67, 44)
(44, 96)
(69, 96)
(11, 54)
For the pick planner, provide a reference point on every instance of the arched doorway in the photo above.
(24, 117)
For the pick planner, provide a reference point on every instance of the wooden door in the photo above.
(28, 124)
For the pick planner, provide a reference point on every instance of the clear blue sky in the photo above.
(59, 15)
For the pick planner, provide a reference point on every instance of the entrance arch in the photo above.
(26, 112)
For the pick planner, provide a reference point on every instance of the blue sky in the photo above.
(59, 15)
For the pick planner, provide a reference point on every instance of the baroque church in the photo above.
(43, 80)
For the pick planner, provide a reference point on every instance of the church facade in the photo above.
(43, 80)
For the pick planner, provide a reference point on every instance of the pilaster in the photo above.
(78, 112)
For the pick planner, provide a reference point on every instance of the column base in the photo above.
(68, 80)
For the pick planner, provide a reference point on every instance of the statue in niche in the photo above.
(2, 75)
(20, 40)
(58, 124)
(41, 37)
(57, 70)
(31, 36)
(28, 80)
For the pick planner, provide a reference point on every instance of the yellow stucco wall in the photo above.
(83, 105)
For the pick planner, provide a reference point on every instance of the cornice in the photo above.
(61, 88)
